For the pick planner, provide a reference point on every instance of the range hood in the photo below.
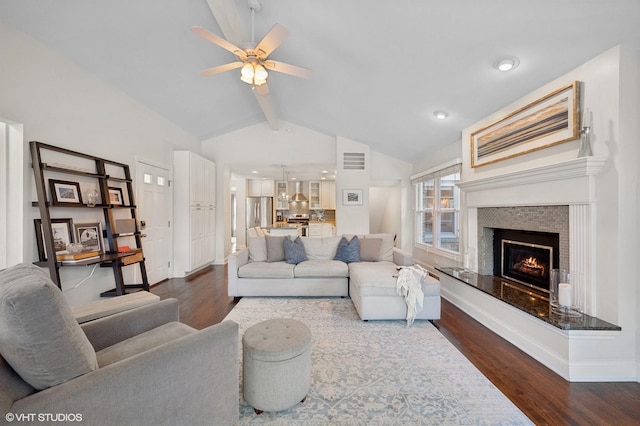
(298, 195)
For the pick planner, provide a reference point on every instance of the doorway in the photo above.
(154, 216)
(385, 215)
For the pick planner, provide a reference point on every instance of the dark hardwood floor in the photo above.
(545, 397)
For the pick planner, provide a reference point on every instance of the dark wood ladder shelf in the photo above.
(111, 258)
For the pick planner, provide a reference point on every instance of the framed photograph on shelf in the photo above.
(115, 196)
(352, 197)
(62, 230)
(65, 193)
(548, 121)
(90, 236)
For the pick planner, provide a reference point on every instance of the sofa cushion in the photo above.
(386, 246)
(275, 248)
(257, 249)
(266, 270)
(379, 279)
(370, 249)
(39, 336)
(321, 268)
(348, 251)
(294, 251)
(321, 248)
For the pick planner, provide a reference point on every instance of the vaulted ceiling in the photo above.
(380, 68)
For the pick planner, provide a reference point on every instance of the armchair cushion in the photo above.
(39, 336)
(143, 342)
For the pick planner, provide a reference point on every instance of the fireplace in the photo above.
(526, 257)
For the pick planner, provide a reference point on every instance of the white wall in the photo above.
(352, 219)
(61, 104)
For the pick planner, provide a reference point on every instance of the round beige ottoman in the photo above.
(276, 362)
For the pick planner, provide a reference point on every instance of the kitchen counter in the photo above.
(283, 228)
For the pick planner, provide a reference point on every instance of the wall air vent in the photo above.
(353, 161)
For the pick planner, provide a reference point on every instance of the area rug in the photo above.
(377, 372)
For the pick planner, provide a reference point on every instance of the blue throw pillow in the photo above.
(294, 251)
(348, 251)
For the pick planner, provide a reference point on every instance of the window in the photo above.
(438, 208)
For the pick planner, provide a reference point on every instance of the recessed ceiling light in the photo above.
(507, 63)
(441, 115)
(254, 172)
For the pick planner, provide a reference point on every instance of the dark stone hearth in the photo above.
(527, 299)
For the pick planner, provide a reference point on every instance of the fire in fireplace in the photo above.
(526, 257)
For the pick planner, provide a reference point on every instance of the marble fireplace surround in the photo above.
(568, 187)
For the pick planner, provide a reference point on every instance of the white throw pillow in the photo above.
(257, 249)
(386, 248)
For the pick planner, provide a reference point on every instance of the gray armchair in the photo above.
(137, 367)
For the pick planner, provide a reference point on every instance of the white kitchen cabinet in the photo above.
(314, 195)
(282, 203)
(328, 194)
(260, 188)
(194, 198)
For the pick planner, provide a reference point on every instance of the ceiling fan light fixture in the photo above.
(247, 72)
(253, 74)
(260, 75)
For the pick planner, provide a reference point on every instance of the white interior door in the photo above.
(154, 215)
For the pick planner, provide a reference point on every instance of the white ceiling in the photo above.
(381, 68)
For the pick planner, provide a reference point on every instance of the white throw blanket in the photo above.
(409, 285)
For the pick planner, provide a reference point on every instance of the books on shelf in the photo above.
(77, 257)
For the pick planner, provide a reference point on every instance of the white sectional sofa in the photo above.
(371, 282)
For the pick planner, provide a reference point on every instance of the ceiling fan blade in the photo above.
(276, 35)
(207, 35)
(266, 104)
(288, 69)
(221, 68)
(226, 15)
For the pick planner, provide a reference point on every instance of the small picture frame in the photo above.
(90, 236)
(62, 230)
(115, 196)
(352, 197)
(65, 193)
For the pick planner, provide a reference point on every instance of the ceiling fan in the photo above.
(253, 58)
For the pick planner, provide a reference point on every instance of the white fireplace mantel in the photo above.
(564, 183)
(572, 183)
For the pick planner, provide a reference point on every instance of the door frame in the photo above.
(169, 201)
(13, 169)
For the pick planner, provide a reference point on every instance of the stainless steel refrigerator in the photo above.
(259, 212)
